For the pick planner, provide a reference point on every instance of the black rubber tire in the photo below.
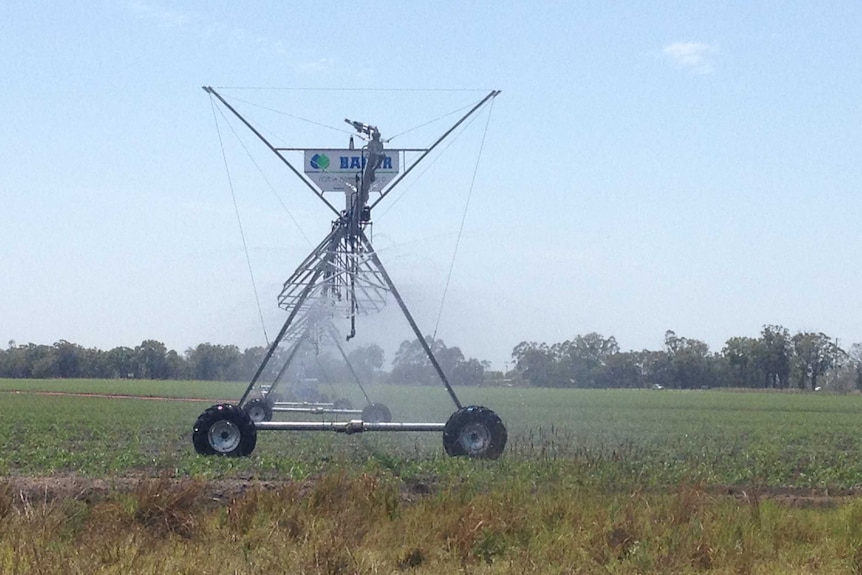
(258, 410)
(376, 413)
(225, 430)
(475, 431)
(342, 403)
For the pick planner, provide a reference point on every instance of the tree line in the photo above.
(774, 360)
(206, 361)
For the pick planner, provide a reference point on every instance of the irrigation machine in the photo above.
(304, 339)
(342, 276)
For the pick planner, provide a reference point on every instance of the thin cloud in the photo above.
(163, 16)
(196, 23)
(694, 56)
(315, 66)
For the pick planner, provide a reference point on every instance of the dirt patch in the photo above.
(52, 488)
(48, 489)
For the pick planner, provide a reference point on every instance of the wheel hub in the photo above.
(475, 438)
(224, 436)
(257, 414)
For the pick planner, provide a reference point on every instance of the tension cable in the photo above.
(239, 221)
(463, 220)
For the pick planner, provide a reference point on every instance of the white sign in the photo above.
(337, 170)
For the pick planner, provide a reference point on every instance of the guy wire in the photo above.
(239, 221)
(463, 220)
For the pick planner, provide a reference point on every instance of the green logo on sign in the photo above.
(320, 162)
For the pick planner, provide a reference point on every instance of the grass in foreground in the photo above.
(345, 523)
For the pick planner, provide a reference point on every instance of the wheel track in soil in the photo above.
(29, 489)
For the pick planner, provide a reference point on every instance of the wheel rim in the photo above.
(257, 413)
(475, 438)
(224, 436)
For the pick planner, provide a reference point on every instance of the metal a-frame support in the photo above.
(321, 260)
(344, 267)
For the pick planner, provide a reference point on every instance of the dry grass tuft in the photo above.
(413, 558)
(166, 506)
(7, 499)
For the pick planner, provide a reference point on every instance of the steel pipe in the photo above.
(349, 427)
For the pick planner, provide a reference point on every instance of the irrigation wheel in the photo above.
(258, 410)
(225, 430)
(475, 431)
(376, 413)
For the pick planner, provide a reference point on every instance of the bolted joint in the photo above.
(354, 426)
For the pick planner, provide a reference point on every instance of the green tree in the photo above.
(15, 363)
(620, 370)
(744, 358)
(119, 363)
(657, 369)
(776, 353)
(581, 359)
(412, 365)
(855, 357)
(815, 354)
(692, 365)
(535, 364)
(468, 372)
(40, 361)
(151, 361)
(366, 361)
(70, 360)
(214, 362)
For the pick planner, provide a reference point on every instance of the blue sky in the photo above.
(647, 166)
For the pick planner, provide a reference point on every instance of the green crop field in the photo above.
(592, 481)
(651, 437)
